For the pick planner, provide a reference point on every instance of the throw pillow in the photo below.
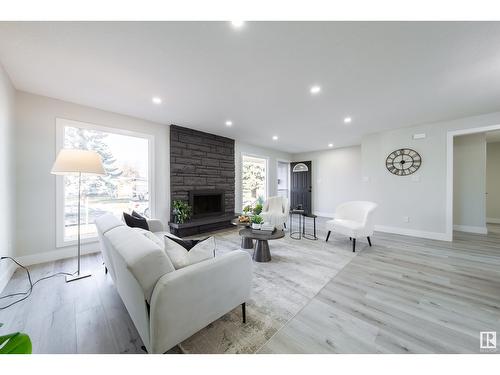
(181, 257)
(137, 215)
(135, 222)
(186, 244)
(153, 237)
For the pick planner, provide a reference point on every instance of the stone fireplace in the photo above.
(202, 173)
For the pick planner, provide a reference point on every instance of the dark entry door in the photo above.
(300, 185)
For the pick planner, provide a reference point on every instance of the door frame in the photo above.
(450, 136)
(278, 161)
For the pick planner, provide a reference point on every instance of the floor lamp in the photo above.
(78, 162)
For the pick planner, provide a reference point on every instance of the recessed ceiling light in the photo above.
(229, 123)
(275, 137)
(237, 24)
(315, 89)
(156, 100)
(347, 120)
(330, 145)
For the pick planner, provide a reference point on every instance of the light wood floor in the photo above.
(403, 295)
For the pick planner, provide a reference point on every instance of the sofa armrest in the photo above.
(188, 299)
(155, 225)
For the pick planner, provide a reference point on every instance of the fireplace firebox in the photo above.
(206, 203)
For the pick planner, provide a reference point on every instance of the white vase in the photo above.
(256, 226)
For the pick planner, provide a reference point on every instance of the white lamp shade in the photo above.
(77, 161)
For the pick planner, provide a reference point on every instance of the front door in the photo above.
(300, 187)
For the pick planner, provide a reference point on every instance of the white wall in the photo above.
(7, 177)
(469, 183)
(424, 202)
(35, 153)
(493, 182)
(272, 156)
(336, 178)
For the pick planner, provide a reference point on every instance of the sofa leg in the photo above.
(105, 270)
(328, 235)
(244, 312)
(350, 238)
(369, 241)
(353, 245)
(144, 349)
(284, 225)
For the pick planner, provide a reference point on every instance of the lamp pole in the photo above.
(78, 275)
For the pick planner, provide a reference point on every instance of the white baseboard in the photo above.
(412, 232)
(51, 256)
(9, 270)
(471, 229)
(492, 220)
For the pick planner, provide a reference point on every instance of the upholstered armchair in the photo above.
(275, 211)
(354, 220)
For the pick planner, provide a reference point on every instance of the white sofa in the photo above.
(275, 211)
(166, 305)
(353, 219)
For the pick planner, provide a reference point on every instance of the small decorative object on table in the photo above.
(257, 221)
(267, 228)
(181, 211)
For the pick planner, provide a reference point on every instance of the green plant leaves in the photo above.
(15, 343)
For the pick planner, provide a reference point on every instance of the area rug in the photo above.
(299, 269)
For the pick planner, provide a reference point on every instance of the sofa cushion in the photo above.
(135, 222)
(181, 257)
(144, 258)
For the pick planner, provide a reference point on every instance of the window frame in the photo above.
(61, 123)
(266, 158)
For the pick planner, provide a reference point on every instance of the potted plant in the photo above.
(181, 212)
(15, 343)
(257, 209)
(257, 221)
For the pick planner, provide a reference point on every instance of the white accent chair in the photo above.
(167, 305)
(353, 219)
(275, 211)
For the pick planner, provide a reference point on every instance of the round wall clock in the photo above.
(403, 162)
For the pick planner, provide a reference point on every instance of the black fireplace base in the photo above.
(206, 224)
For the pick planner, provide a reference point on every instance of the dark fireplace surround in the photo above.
(202, 173)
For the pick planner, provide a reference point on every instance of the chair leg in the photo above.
(244, 312)
(353, 245)
(328, 235)
(284, 225)
(350, 238)
(369, 241)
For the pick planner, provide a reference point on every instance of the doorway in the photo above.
(300, 186)
(450, 167)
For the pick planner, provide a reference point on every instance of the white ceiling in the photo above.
(383, 74)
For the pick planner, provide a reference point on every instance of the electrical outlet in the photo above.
(406, 219)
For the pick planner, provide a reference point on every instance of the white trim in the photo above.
(412, 232)
(470, 229)
(61, 123)
(7, 275)
(51, 256)
(278, 161)
(324, 214)
(449, 171)
(492, 220)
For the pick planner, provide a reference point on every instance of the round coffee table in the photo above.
(262, 252)
(246, 243)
